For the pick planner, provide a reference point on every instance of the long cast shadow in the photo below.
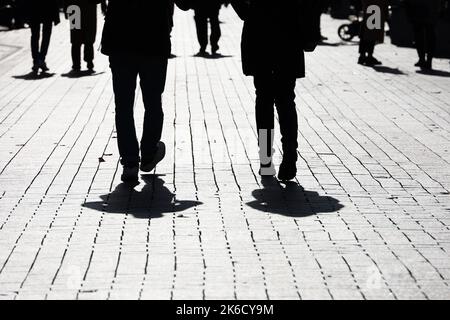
(291, 200)
(34, 76)
(433, 72)
(81, 74)
(385, 69)
(153, 201)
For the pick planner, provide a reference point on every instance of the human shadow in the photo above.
(34, 76)
(437, 73)
(385, 69)
(212, 56)
(153, 201)
(337, 44)
(218, 56)
(291, 200)
(80, 74)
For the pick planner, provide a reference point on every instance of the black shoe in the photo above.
(420, 63)
(428, 65)
(43, 66)
(371, 61)
(148, 165)
(202, 54)
(362, 60)
(288, 168)
(130, 174)
(215, 50)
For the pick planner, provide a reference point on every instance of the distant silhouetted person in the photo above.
(41, 15)
(207, 10)
(136, 37)
(274, 39)
(372, 30)
(86, 33)
(424, 15)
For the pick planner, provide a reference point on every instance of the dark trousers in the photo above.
(76, 54)
(366, 47)
(39, 48)
(277, 90)
(425, 38)
(201, 23)
(152, 73)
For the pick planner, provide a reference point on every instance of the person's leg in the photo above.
(152, 72)
(264, 111)
(419, 39)
(35, 37)
(287, 114)
(46, 36)
(370, 59)
(362, 52)
(76, 56)
(430, 34)
(201, 23)
(216, 33)
(89, 55)
(124, 76)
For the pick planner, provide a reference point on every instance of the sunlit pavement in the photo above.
(368, 217)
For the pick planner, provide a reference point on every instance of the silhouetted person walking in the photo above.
(207, 10)
(86, 34)
(136, 37)
(424, 15)
(41, 15)
(274, 39)
(372, 30)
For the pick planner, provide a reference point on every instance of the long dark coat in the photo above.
(423, 11)
(139, 26)
(39, 11)
(275, 35)
(88, 31)
(374, 35)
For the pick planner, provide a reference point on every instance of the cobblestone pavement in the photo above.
(369, 217)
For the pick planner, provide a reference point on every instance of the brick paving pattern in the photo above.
(368, 217)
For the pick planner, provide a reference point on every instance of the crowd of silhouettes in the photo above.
(137, 39)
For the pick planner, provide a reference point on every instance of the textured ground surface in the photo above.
(368, 217)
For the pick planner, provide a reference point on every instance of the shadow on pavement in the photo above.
(291, 200)
(153, 201)
(437, 73)
(384, 69)
(80, 74)
(212, 56)
(35, 76)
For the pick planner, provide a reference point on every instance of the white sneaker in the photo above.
(267, 170)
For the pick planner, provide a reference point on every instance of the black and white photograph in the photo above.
(224, 156)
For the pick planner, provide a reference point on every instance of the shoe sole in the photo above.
(161, 153)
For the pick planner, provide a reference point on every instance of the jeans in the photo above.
(152, 72)
(76, 54)
(39, 50)
(277, 90)
(201, 23)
